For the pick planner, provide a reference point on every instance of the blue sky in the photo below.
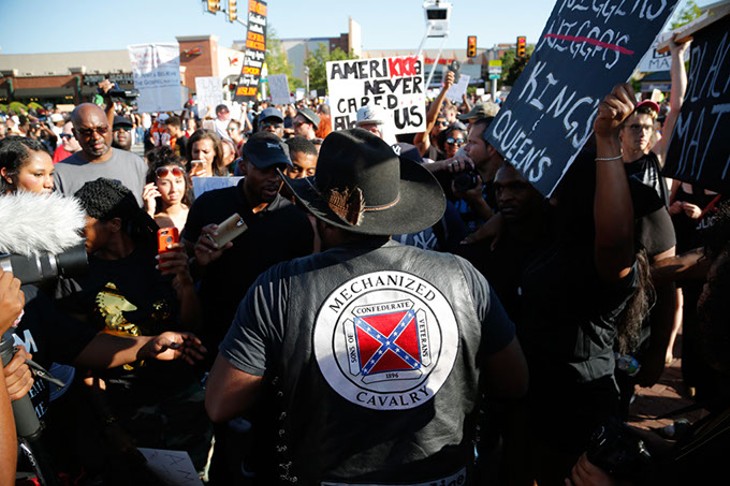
(36, 26)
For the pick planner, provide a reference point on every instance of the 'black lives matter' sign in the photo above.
(587, 47)
(699, 151)
(253, 58)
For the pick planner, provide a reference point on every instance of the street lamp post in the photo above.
(306, 74)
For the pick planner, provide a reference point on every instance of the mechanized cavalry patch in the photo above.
(386, 340)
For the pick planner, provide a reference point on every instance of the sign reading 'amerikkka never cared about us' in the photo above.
(699, 151)
(395, 84)
(587, 47)
(253, 58)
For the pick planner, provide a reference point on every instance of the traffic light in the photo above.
(521, 43)
(471, 46)
(214, 6)
(232, 11)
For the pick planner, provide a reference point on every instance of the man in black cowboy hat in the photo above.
(376, 354)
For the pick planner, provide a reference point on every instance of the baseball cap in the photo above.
(120, 122)
(271, 113)
(480, 110)
(309, 115)
(649, 104)
(264, 149)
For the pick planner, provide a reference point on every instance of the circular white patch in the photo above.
(386, 340)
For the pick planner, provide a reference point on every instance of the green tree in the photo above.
(513, 67)
(316, 61)
(690, 12)
(276, 59)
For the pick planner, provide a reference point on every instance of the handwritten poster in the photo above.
(699, 150)
(395, 84)
(208, 93)
(585, 49)
(279, 86)
(173, 468)
(156, 74)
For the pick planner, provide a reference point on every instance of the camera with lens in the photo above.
(463, 181)
(38, 268)
(617, 450)
(119, 94)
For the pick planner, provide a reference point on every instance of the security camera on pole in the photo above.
(438, 15)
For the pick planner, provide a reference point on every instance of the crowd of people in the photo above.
(354, 307)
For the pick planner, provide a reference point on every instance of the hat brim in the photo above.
(420, 205)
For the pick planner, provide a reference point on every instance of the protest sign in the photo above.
(174, 468)
(279, 85)
(653, 60)
(394, 83)
(699, 150)
(156, 73)
(253, 57)
(456, 91)
(208, 93)
(585, 49)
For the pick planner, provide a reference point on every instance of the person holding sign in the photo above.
(654, 229)
(565, 277)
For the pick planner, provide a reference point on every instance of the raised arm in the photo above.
(678, 76)
(422, 140)
(613, 210)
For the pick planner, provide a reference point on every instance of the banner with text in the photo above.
(586, 48)
(279, 86)
(699, 150)
(253, 58)
(394, 83)
(156, 73)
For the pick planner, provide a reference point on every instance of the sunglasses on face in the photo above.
(443, 123)
(164, 171)
(455, 141)
(67, 135)
(87, 132)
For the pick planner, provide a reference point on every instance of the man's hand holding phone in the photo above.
(216, 238)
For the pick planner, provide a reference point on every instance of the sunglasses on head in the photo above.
(455, 141)
(164, 171)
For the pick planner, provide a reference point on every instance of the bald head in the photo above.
(92, 130)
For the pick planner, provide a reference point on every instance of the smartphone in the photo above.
(166, 237)
(455, 66)
(229, 229)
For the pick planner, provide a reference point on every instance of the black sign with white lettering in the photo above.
(587, 47)
(699, 151)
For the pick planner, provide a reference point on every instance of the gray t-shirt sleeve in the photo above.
(498, 330)
(258, 326)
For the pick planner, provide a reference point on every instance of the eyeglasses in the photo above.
(67, 135)
(87, 132)
(455, 141)
(640, 128)
(164, 171)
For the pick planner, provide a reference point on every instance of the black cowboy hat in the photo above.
(362, 186)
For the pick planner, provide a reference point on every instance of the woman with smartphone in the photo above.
(167, 195)
(205, 155)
